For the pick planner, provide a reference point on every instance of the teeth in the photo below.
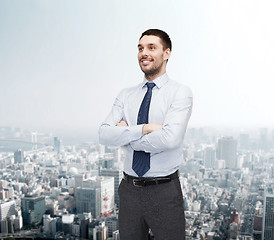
(146, 62)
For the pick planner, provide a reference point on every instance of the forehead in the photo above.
(150, 39)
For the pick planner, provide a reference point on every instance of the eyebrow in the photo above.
(150, 44)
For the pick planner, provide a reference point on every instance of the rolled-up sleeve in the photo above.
(172, 134)
(112, 135)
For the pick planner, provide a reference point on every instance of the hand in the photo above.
(122, 124)
(151, 127)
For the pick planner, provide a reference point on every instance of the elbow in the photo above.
(103, 136)
(104, 140)
(175, 141)
(108, 137)
(172, 144)
(171, 140)
(173, 137)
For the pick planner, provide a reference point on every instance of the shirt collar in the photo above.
(159, 81)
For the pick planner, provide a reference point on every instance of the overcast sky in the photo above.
(62, 63)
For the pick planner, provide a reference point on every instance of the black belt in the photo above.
(142, 181)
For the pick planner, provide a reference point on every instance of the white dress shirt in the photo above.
(171, 106)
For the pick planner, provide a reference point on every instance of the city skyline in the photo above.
(70, 191)
(63, 63)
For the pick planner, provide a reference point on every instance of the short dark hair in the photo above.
(161, 34)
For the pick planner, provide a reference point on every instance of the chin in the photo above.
(147, 69)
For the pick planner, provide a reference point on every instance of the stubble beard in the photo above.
(153, 71)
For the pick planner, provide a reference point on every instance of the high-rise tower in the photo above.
(268, 217)
(210, 157)
(227, 150)
(33, 209)
(18, 156)
(118, 175)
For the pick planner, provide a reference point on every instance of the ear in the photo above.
(167, 54)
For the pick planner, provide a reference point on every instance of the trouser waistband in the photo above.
(146, 181)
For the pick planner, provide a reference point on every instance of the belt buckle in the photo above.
(135, 181)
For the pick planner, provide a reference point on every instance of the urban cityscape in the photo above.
(62, 66)
(52, 190)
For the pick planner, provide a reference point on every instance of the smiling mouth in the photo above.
(146, 61)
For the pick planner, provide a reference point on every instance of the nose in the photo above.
(144, 52)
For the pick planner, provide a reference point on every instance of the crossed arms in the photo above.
(146, 129)
(152, 137)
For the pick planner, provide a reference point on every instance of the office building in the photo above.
(112, 225)
(57, 144)
(116, 235)
(4, 194)
(49, 225)
(87, 200)
(79, 178)
(227, 150)
(96, 196)
(84, 227)
(4, 226)
(210, 157)
(102, 149)
(268, 215)
(117, 175)
(33, 208)
(67, 222)
(100, 232)
(107, 161)
(18, 156)
(106, 189)
(7, 209)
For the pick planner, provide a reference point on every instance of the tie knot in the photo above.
(150, 84)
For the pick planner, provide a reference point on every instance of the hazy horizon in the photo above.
(62, 63)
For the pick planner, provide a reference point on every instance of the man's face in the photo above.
(151, 55)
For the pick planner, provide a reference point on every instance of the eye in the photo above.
(140, 49)
(151, 47)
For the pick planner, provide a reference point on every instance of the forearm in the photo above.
(151, 127)
(119, 135)
(163, 140)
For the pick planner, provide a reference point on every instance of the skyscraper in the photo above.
(210, 157)
(18, 156)
(227, 150)
(268, 217)
(96, 196)
(7, 209)
(106, 162)
(79, 178)
(118, 175)
(57, 144)
(33, 208)
(87, 200)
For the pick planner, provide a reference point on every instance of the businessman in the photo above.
(149, 120)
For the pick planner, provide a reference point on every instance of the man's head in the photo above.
(154, 50)
(166, 42)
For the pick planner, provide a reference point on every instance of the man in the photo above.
(149, 120)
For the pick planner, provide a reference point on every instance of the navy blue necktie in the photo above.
(141, 160)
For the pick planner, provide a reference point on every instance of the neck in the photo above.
(152, 77)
